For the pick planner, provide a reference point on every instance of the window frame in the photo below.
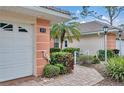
(66, 43)
(6, 26)
(21, 28)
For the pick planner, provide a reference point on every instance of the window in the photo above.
(2, 24)
(43, 30)
(66, 43)
(22, 29)
(6, 27)
(56, 43)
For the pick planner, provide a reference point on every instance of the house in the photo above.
(25, 39)
(92, 38)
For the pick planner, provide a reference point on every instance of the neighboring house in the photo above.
(92, 38)
(25, 39)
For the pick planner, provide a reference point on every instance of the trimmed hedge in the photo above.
(71, 50)
(64, 58)
(51, 71)
(63, 69)
(55, 50)
(101, 54)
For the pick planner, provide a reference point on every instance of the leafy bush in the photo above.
(116, 51)
(51, 71)
(101, 54)
(115, 68)
(63, 69)
(71, 50)
(85, 59)
(64, 58)
(55, 50)
(95, 60)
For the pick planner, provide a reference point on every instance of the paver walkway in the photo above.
(82, 76)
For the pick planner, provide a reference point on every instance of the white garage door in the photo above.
(16, 59)
(122, 46)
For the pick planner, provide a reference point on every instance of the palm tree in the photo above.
(65, 30)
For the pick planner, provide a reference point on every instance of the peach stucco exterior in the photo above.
(30, 28)
(111, 40)
(42, 45)
(52, 43)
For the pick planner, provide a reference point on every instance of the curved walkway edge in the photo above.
(81, 76)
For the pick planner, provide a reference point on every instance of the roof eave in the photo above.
(48, 11)
(99, 31)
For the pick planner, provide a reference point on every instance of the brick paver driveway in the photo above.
(82, 76)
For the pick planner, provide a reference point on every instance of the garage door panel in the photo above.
(13, 35)
(17, 46)
(3, 50)
(17, 57)
(15, 72)
(16, 53)
(10, 66)
(23, 43)
(9, 61)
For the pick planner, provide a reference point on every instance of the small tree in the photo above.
(65, 30)
(112, 11)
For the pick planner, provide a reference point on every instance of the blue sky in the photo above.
(100, 10)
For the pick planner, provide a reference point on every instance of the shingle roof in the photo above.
(94, 26)
(57, 9)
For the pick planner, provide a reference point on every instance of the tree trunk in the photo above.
(61, 44)
(110, 16)
(62, 39)
(111, 21)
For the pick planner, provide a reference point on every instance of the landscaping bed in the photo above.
(107, 81)
(113, 71)
(61, 62)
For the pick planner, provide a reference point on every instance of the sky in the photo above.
(100, 10)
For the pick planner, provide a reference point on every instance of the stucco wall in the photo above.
(91, 43)
(42, 45)
(11, 16)
(41, 40)
(51, 43)
(111, 41)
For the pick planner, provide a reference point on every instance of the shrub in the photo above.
(85, 59)
(63, 69)
(55, 50)
(71, 50)
(51, 71)
(101, 54)
(116, 51)
(95, 60)
(64, 58)
(115, 68)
